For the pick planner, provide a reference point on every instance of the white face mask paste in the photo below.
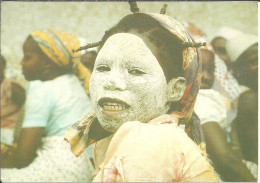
(127, 83)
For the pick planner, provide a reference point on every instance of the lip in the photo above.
(112, 106)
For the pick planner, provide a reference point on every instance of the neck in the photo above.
(51, 74)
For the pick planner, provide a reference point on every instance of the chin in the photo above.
(110, 126)
(28, 78)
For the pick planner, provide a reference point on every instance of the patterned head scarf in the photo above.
(191, 71)
(58, 45)
(87, 130)
(191, 66)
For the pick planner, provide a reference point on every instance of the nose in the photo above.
(115, 81)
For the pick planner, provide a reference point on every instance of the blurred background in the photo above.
(90, 20)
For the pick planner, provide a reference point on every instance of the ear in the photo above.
(175, 89)
(47, 64)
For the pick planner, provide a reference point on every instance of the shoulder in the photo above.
(136, 132)
(66, 82)
(210, 106)
(209, 98)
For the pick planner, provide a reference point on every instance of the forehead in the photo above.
(219, 41)
(30, 45)
(250, 53)
(207, 57)
(252, 49)
(125, 46)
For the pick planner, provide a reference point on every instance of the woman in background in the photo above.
(52, 104)
(12, 100)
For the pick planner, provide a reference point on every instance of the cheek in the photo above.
(33, 65)
(95, 86)
(148, 91)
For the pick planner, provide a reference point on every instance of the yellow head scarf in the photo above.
(58, 45)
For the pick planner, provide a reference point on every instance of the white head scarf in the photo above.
(237, 45)
(227, 33)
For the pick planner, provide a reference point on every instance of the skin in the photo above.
(246, 68)
(2, 69)
(18, 99)
(131, 75)
(226, 162)
(36, 65)
(246, 125)
(207, 69)
(29, 142)
(88, 59)
(18, 93)
(219, 44)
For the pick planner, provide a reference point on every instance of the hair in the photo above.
(241, 59)
(166, 48)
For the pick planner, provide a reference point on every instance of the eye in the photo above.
(103, 68)
(136, 72)
(26, 57)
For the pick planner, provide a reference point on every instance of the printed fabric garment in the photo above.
(226, 85)
(55, 104)
(54, 163)
(158, 137)
(144, 152)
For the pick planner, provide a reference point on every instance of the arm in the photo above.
(8, 110)
(25, 152)
(227, 164)
(18, 99)
(18, 95)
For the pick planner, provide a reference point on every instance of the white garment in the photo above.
(227, 33)
(238, 45)
(243, 89)
(54, 163)
(210, 107)
(7, 136)
(55, 104)
(252, 167)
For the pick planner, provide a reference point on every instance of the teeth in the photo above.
(108, 106)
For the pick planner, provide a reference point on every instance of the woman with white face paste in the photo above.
(145, 81)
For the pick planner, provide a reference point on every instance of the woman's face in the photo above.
(219, 44)
(127, 83)
(208, 68)
(32, 62)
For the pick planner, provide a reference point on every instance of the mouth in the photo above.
(111, 105)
